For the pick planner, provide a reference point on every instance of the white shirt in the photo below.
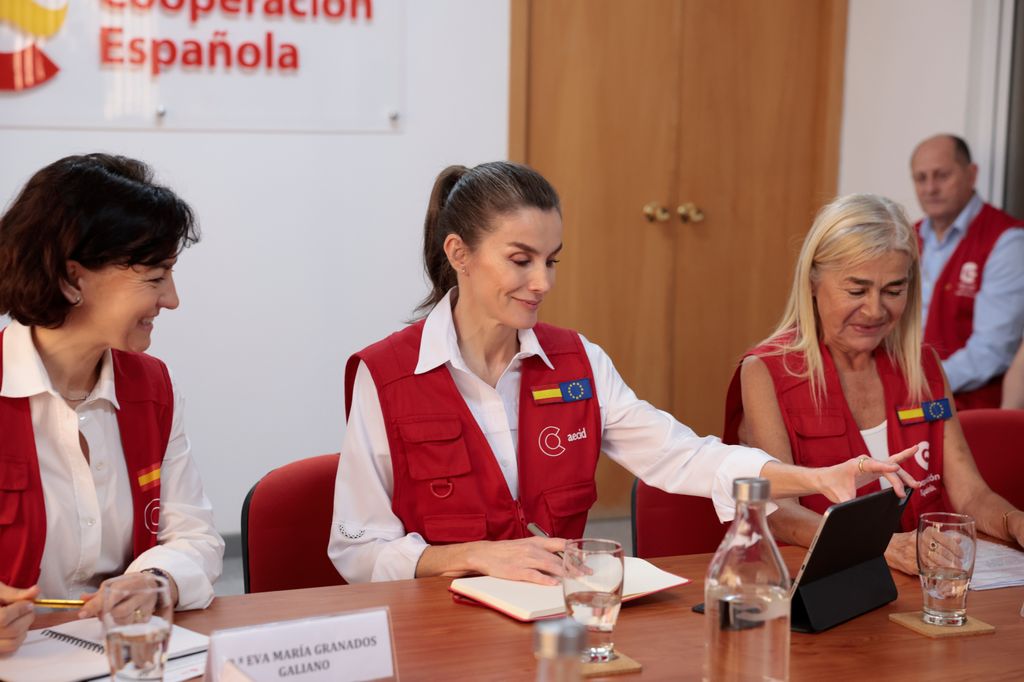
(89, 502)
(368, 542)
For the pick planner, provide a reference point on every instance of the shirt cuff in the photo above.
(398, 560)
(195, 591)
(741, 463)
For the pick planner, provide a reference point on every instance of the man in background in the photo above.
(972, 271)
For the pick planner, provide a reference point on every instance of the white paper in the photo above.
(997, 566)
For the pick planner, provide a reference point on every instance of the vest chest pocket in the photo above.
(13, 483)
(822, 437)
(434, 448)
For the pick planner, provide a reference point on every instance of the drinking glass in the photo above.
(137, 615)
(592, 586)
(946, 545)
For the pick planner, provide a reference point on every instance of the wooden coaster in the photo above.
(622, 665)
(913, 621)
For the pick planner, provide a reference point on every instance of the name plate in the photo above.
(347, 647)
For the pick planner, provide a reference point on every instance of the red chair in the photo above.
(996, 439)
(286, 525)
(665, 524)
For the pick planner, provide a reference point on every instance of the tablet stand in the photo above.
(840, 596)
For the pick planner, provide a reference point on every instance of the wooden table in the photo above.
(437, 639)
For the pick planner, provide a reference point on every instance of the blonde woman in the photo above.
(845, 375)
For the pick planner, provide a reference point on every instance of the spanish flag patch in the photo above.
(925, 412)
(565, 392)
(149, 477)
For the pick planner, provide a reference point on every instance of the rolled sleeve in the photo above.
(188, 546)
(661, 451)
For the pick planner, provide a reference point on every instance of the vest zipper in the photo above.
(522, 519)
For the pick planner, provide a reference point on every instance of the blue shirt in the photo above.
(998, 307)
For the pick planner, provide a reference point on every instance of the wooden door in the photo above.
(731, 104)
(602, 122)
(758, 154)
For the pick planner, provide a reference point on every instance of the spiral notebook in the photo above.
(73, 651)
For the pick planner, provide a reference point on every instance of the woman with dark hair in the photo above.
(478, 420)
(96, 475)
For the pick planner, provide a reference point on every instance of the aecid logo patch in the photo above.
(22, 64)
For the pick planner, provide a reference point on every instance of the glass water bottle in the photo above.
(746, 596)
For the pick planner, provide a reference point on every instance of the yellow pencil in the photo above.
(59, 603)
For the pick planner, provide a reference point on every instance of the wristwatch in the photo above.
(163, 574)
(160, 572)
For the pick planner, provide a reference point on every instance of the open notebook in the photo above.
(529, 601)
(73, 651)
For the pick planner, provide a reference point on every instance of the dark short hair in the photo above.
(961, 152)
(465, 201)
(96, 209)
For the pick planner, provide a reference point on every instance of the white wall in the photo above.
(919, 67)
(310, 248)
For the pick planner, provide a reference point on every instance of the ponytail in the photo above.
(435, 260)
(465, 202)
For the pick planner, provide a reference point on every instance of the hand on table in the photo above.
(16, 615)
(901, 553)
(530, 559)
(144, 602)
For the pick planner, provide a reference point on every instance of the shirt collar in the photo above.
(962, 222)
(439, 343)
(24, 374)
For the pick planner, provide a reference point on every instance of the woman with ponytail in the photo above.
(477, 420)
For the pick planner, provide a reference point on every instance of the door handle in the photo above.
(690, 213)
(655, 211)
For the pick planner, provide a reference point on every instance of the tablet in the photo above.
(844, 573)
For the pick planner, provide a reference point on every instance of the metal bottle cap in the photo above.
(554, 638)
(751, 489)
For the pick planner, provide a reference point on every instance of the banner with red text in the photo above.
(256, 65)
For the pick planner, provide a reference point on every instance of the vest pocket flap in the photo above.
(571, 499)
(431, 429)
(434, 449)
(814, 425)
(13, 480)
(13, 475)
(455, 527)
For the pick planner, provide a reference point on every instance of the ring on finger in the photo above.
(860, 463)
(932, 546)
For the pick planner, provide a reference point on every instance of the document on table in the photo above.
(73, 652)
(997, 566)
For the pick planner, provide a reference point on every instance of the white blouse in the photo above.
(89, 502)
(368, 542)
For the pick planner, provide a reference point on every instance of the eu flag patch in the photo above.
(565, 392)
(925, 412)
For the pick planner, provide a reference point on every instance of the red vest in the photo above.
(951, 310)
(448, 485)
(144, 419)
(829, 435)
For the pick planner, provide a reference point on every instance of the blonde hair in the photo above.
(850, 231)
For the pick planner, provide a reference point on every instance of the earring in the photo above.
(77, 301)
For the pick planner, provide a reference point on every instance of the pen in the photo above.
(536, 530)
(539, 532)
(59, 603)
